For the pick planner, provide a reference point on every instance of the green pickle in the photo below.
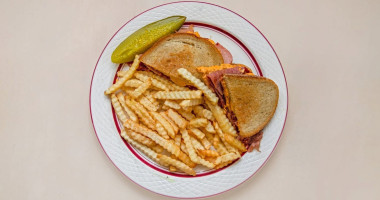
(145, 37)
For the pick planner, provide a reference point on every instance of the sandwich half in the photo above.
(181, 50)
(250, 102)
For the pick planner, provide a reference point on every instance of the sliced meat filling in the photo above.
(215, 79)
(227, 56)
(253, 142)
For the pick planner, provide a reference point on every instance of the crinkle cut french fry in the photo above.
(206, 163)
(192, 154)
(172, 86)
(222, 120)
(145, 120)
(139, 138)
(128, 91)
(147, 104)
(235, 142)
(129, 74)
(174, 126)
(157, 148)
(141, 112)
(187, 115)
(203, 113)
(133, 83)
(155, 82)
(164, 123)
(208, 114)
(198, 133)
(210, 128)
(170, 161)
(141, 89)
(211, 160)
(146, 150)
(223, 164)
(187, 108)
(193, 94)
(119, 111)
(226, 158)
(185, 159)
(208, 140)
(177, 140)
(120, 96)
(198, 84)
(206, 143)
(219, 146)
(208, 153)
(198, 122)
(149, 96)
(177, 118)
(189, 145)
(142, 117)
(221, 135)
(198, 111)
(121, 73)
(172, 104)
(169, 146)
(172, 168)
(190, 102)
(183, 148)
(210, 137)
(161, 130)
(196, 144)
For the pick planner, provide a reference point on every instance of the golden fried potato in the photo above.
(141, 89)
(193, 94)
(177, 118)
(129, 74)
(156, 83)
(198, 122)
(222, 120)
(198, 84)
(173, 162)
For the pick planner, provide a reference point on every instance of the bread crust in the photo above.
(253, 100)
(181, 50)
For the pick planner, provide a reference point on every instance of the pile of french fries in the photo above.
(175, 126)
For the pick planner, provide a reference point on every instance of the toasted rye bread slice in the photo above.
(181, 50)
(252, 99)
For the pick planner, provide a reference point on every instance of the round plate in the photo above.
(247, 45)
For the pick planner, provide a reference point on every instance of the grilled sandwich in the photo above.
(250, 100)
(181, 50)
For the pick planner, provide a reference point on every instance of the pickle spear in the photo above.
(145, 37)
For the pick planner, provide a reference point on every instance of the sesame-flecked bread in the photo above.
(181, 50)
(252, 99)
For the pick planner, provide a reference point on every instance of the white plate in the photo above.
(247, 45)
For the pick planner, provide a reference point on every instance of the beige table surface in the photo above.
(330, 146)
